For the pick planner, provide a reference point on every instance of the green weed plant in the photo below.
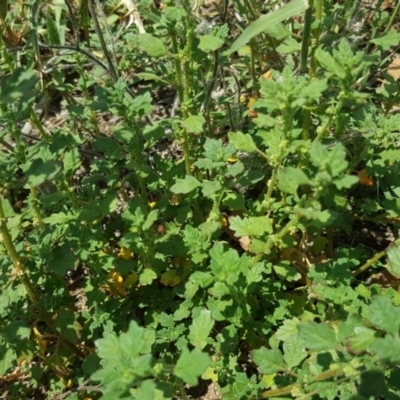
(232, 258)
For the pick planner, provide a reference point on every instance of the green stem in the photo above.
(39, 126)
(322, 131)
(288, 389)
(306, 37)
(35, 205)
(87, 96)
(395, 13)
(178, 66)
(369, 263)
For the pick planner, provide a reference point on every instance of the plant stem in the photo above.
(35, 205)
(321, 132)
(288, 389)
(306, 37)
(395, 13)
(370, 262)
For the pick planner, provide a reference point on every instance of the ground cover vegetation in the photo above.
(199, 199)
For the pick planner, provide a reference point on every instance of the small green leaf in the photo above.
(384, 315)
(202, 279)
(191, 365)
(173, 14)
(53, 30)
(289, 45)
(210, 43)
(132, 341)
(7, 359)
(146, 390)
(210, 188)
(269, 361)
(318, 154)
(242, 141)
(362, 339)
(393, 265)
(346, 182)
(67, 324)
(147, 276)
(186, 185)
(387, 348)
(148, 76)
(62, 259)
(294, 351)
(153, 46)
(17, 84)
(387, 40)
(38, 171)
(200, 329)
(58, 218)
(289, 179)
(318, 337)
(71, 160)
(194, 124)
(252, 226)
(151, 218)
(286, 272)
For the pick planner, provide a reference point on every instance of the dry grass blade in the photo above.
(133, 14)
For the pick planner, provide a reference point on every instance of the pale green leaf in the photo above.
(210, 43)
(242, 141)
(147, 276)
(363, 337)
(191, 365)
(269, 361)
(286, 272)
(186, 185)
(194, 124)
(252, 226)
(287, 11)
(294, 351)
(384, 315)
(153, 46)
(7, 360)
(318, 336)
(71, 160)
(387, 348)
(200, 329)
(387, 40)
(393, 255)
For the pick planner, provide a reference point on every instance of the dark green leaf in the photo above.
(373, 384)
(289, 179)
(17, 84)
